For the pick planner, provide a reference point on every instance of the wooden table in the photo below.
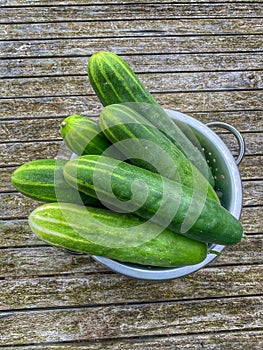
(203, 58)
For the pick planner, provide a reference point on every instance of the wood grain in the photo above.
(129, 11)
(253, 142)
(246, 120)
(151, 44)
(150, 63)
(157, 82)
(107, 289)
(30, 130)
(41, 107)
(18, 153)
(17, 233)
(119, 321)
(122, 28)
(201, 57)
(44, 261)
(23, 3)
(212, 341)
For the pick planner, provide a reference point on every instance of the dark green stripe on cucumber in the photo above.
(44, 181)
(114, 81)
(66, 226)
(153, 197)
(83, 136)
(147, 147)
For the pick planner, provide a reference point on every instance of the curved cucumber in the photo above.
(153, 197)
(147, 146)
(114, 81)
(43, 180)
(69, 226)
(84, 136)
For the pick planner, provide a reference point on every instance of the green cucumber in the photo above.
(84, 136)
(114, 81)
(44, 181)
(145, 146)
(153, 197)
(71, 227)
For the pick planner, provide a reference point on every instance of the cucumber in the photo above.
(44, 181)
(146, 146)
(84, 136)
(73, 227)
(153, 197)
(114, 81)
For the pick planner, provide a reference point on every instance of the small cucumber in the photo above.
(114, 81)
(72, 227)
(44, 181)
(84, 136)
(146, 146)
(153, 197)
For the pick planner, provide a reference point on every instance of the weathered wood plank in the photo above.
(192, 62)
(49, 107)
(107, 289)
(30, 130)
(253, 142)
(151, 44)
(253, 192)
(25, 151)
(129, 11)
(220, 308)
(234, 340)
(123, 28)
(242, 120)
(5, 179)
(157, 82)
(49, 261)
(23, 3)
(245, 252)
(212, 101)
(16, 232)
(251, 167)
(16, 205)
(147, 319)
(45, 261)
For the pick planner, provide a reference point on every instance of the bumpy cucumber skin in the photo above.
(114, 82)
(43, 180)
(84, 136)
(213, 224)
(121, 122)
(165, 250)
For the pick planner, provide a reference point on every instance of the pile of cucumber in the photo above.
(139, 190)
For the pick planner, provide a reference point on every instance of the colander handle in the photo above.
(237, 135)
